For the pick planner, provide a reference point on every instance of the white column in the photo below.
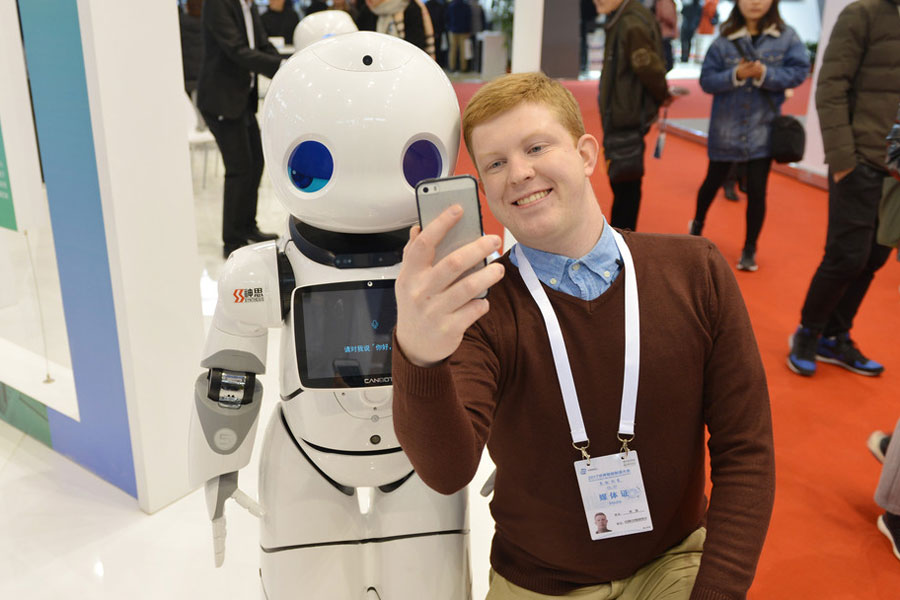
(528, 32)
(528, 26)
(137, 100)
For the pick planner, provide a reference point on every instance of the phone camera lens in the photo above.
(425, 189)
(367, 60)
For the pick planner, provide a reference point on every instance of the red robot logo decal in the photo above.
(248, 295)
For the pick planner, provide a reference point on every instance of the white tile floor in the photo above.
(65, 533)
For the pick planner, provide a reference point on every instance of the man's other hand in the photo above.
(838, 175)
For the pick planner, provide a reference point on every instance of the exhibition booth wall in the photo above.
(100, 321)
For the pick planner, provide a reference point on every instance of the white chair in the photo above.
(199, 136)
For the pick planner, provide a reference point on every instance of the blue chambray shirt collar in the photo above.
(603, 261)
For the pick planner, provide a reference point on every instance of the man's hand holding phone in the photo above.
(433, 308)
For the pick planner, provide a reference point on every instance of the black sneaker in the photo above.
(889, 525)
(748, 261)
(877, 444)
(840, 350)
(802, 358)
(695, 227)
(255, 235)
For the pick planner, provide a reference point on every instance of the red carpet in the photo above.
(822, 542)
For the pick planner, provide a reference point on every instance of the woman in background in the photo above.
(747, 69)
(406, 19)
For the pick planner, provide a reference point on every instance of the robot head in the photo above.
(320, 25)
(350, 125)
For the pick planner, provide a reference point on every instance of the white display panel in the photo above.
(111, 247)
(33, 336)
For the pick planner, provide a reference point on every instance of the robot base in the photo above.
(321, 541)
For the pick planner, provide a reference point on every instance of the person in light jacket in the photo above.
(747, 69)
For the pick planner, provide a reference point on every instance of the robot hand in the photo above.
(218, 490)
(223, 423)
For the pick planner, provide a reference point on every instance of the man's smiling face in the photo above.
(535, 178)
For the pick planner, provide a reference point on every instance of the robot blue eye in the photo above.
(310, 166)
(421, 161)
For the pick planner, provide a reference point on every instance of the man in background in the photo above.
(280, 20)
(459, 28)
(856, 98)
(632, 88)
(236, 49)
(437, 10)
(690, 20)
(191, 24)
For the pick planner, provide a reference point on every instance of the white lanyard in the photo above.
(561, 359)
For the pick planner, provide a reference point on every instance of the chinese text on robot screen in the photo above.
(348, 334)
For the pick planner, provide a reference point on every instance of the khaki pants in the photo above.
(457, 48)
(669, 577)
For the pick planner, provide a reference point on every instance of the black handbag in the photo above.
(624, 153)
(787, 140)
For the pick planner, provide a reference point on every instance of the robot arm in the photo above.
(228, 396)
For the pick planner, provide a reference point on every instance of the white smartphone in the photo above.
(433, 196)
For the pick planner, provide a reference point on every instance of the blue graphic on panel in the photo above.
(101, 440)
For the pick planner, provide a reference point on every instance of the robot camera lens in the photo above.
(422, 160)
(310, 166)
(367, 60)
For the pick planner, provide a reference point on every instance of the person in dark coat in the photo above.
(191, 25)
(856, 97)
(459, 28)
(406, 19)
(690, 20)
(316, 6)
(632, 88)
(235, 50)
(280, 20)
(436, 10)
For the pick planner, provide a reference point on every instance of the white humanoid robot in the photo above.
(350, 125)
(321, 25)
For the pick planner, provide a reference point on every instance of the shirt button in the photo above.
(606, 274)
(576, 266)
(553, 281)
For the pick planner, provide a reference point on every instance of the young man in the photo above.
(632, 88)
(469, 372)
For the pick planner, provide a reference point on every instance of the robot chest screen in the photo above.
(343, 333)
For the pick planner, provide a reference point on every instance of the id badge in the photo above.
(613, 494)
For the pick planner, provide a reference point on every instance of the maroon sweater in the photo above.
(700, 366)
